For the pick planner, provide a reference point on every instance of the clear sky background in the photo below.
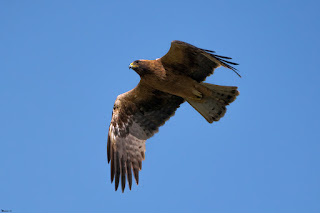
(63, 63)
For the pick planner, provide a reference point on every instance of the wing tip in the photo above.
(222, 60)
(226, 63)
(121, 171)
(109, 149)
(123, 174)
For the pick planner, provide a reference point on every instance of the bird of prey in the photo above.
(165, 83)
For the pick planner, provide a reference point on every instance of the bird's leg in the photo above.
(203, 90)
(197, 95)
(200, 92)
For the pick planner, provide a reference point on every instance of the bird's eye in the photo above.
(137, 62)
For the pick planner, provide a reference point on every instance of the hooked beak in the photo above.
(131, 66)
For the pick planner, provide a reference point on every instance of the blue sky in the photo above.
(63, 63)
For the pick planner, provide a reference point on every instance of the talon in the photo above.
(197, 94)
(196, 98)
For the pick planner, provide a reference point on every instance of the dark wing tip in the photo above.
(222, 60)
(220, 56)
(109, 149)
(123, 174)
(121, 170)
(110, 157)
(117, 170)
(136, 172)
(209, 51)
(226, 63)
(129, 174)
(112, 170)
(123, 165)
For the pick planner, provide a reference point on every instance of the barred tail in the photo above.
(213, 107)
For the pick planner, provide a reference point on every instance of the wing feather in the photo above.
(129, 174)
(193, 61)
(117, 170)
(108, 149)
(136, 172)
(137, 116)
(123, 174)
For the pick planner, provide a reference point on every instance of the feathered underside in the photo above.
(137, 116)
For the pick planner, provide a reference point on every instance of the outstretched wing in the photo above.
(193, 61)
(137, 116)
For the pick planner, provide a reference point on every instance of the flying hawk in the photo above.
(165, 83)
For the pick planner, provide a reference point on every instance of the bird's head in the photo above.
(140, 66)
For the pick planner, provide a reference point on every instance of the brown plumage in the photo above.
(165, 84)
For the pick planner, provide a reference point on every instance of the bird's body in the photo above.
(165, 84)
(166, 81)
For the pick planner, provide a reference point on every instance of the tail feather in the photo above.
(226, 93)
(213, 107)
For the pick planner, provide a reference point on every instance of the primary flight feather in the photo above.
(165, 83)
